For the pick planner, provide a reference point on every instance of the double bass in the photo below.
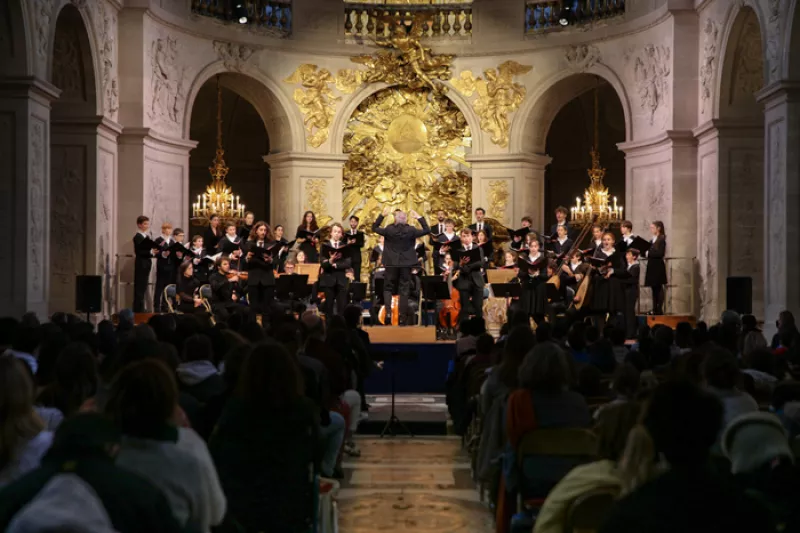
(555, 279)
(450, 308)
(582, 290)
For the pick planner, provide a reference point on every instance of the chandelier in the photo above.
(596, 207)
(218, 199)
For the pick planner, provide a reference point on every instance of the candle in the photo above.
(615, 203)
(577, 202)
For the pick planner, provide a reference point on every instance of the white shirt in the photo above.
(468, 247)
(628, 238)
(353, 231)
(654, 239)
(479, 225)
(534, 258)
(633, 264)
(334, 244)
(573, 266)
(143, 234)
(166, 239)
(232, 239)
(608, 254)
(441, 228)
(598, 243)
(450, 236)
(562, 242)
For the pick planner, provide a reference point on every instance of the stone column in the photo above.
(153, 181)
(661, 181)
(25, 194)
(83, 195)
(781, 102)
(730, 212)
(510, 186)
(302, 182)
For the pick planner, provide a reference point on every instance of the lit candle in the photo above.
(615, 203)
(205, 200)
(577, 202)
(620, 212)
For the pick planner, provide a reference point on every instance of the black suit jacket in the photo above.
(554, 230)
(400, 241)
(221, 289)
(486, 227)
(142, 250)
(335, 276)
(165, 260)
(355, 248)
(259, 271)
(470, 275)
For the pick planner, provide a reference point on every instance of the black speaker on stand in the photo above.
(739, 294)
(88, 294)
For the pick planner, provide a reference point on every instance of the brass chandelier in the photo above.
(596, 207)
(218, 199)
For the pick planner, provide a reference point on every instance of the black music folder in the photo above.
(506, 290)
(474, 255)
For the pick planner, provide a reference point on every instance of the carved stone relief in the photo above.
(36, 209)
(68, 68)
(776, 241)
(748, 67)
(651, 71)
(43, 12)
(774, 39)
(582, 57)
(105, 23)
(163, 195)
(708, 63)
(104, 244)
(497, 195)
(232, 55)
(707, 221)
(166, 84)
(316, 197)
(67, 223)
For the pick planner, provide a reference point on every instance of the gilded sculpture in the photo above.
(316, 192)
(406, 62)
(406, 148)
(315, 100)
(498, 95)
(498, 199)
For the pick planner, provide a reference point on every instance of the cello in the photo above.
(450, 308)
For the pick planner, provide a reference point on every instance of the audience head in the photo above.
(753, 340)
(614, 423)
(18, 420)
(76, 377)
(312, 326)
(518, 344)
(544, 332)
(86, 434)
(589, 381)
(683, 335)
(143, 398)
(625, 381)
(684, 422)
(485, 344)
(755, 440)
(545, 369)
(721, 370)
(270, 377)
(352, 316)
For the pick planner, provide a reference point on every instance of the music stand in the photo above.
(292, 287)
(394, 421)
(434, 288)
(506, 290)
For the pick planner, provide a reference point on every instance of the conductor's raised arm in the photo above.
(425, 228)
(376, 226)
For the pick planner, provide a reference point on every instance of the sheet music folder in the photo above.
(506, 290)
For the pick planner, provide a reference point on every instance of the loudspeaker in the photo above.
(739, 294)
(88, 294)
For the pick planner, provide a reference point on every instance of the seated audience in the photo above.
(683, 422)
(78, 487)
(722, 375)
(624, 385)
(265, 445)
(142, 402)
(197, 374)
(613, 426)
(75, 380)
(23, 438)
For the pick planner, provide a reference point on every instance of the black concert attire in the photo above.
(166, 271)
(439, 250)
(532, 273)
(211, 239)
(399, 256)
(202, 264)
(520, 245)
(187, 289)
(260, 274)
(333, 279)
(624, 243)
(244, 232)
(656, 275)
(355, 243)
(222, 291)
(308, 247)
(554, 230)
(478, 226)
(143, 263)
(279, 258)
(629, 279)
(570, 283)
(607, 294)
(470, 284)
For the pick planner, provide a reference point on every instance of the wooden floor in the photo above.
(402, 335)
(670, 320)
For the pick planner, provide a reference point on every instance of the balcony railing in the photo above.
(376, 20)
(545, 15)
(274, 15)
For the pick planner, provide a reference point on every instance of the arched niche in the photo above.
(791, 58)
(78, 212)
(281, 120)
(15, 40)
(532, 122)
(245, 140)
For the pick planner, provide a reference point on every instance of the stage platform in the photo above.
(670, 320)
(142, 318)
(403, 335)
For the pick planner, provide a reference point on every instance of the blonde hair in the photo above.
(165, 226)
(639, 463)
(18, 420)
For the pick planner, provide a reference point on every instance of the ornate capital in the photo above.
(582, 57)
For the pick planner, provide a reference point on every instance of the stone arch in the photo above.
(348, 108)
(742, 64)
(15, 40)
(791, 57)
(70, 18)
(75, 155)
(532, 122)
(283, 123)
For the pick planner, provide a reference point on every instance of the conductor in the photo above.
(399, 254)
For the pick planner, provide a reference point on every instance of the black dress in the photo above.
(211, 239)
(607, 293)
(308, 247)
(186, 288)
(656, 274)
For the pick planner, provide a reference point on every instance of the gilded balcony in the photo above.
(443, 19)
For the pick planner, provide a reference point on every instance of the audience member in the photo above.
(265, 445)
(197, 374)
(722, 375)
(142, 402)
(683, 422)
(75, 380)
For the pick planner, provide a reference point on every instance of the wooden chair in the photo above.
(171, 296)
(206, 295)
(577, 443)
(587, 513)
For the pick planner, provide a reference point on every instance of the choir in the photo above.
(556, 272)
